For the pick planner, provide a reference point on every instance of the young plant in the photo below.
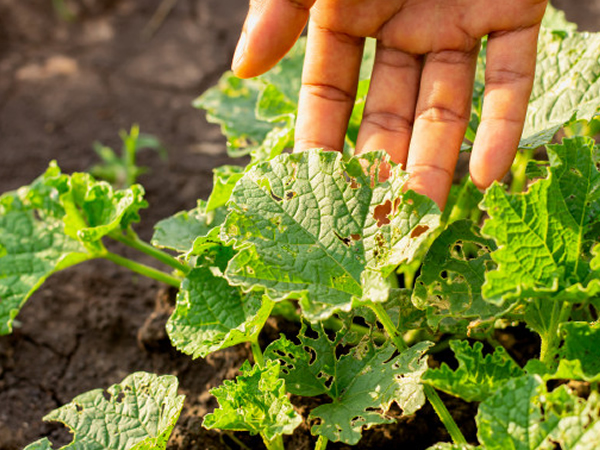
(380, 276)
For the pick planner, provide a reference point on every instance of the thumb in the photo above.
(271, 29)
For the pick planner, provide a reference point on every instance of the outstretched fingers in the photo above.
(441, 119)
(509, 80)
(270, 30)
(329, 83)
(390, 108)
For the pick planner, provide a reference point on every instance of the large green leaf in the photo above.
(137, 414)
(362, 383)
(513, 418)
(542, 235)
(567, 84)
(311, 225)
(211, 315)
(54, 223)
(256, 402)
(453, 271)
(477, 377)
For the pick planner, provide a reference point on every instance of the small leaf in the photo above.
(224, 180)
(137, 414)
(181, 231)
(211, 315)
(477, 377)
(256, 402)
(449, 285)
(309, 224)
(362, 383)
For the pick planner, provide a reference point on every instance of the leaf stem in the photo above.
(133, 241)
(142, 269)
(257, 353)
(430, 393)
(321, 443)
(551, 338)
(519, 171)
(275, 444)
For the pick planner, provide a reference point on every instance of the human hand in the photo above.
(418, 105)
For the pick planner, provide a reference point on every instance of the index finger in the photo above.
(270, 30)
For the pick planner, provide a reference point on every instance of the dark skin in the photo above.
(418, 106)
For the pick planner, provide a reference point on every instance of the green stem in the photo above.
(257, 353)
(142, 269)
(430, 393)
(275, 444)
(519, 171)
(135, 242)
(440, 408)
(321, 443)
(551, 338)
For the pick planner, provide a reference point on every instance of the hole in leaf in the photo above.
(355, 420)
(78, 407)
(290, 195)
(457, 251)
(346, 241)
(444, 274)
(342, 350)
(418, 231)
(310, 333)
(312, 353)
(381, 213)
(274, 196)
(119, 397)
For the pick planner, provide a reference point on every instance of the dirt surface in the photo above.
(65, 85)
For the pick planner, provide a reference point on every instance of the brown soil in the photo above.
(65, 85)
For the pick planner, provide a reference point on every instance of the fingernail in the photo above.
(240, 50)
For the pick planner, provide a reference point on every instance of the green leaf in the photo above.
(453, 272)
(232, 104)
(94, 209)
(477, 377)
(42, 444)
(579, 354)
(556, 20)
(256, 402)
(362, 383)
(54, 223)
(542, 234)
(523, 415)
(137, 414)
(211, 315)
(513, 419)
(181, 231)
(224, 180)
(309, 225)
(449, 446)
(567, 84)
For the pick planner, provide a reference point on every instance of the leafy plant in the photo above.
(122, 171)
(379, 277)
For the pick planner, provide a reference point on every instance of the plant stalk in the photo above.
(430, 393)
(136, 243)
(142, 269)
(321, 443)
(257, 353)
(519, 171)
(551, 338)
